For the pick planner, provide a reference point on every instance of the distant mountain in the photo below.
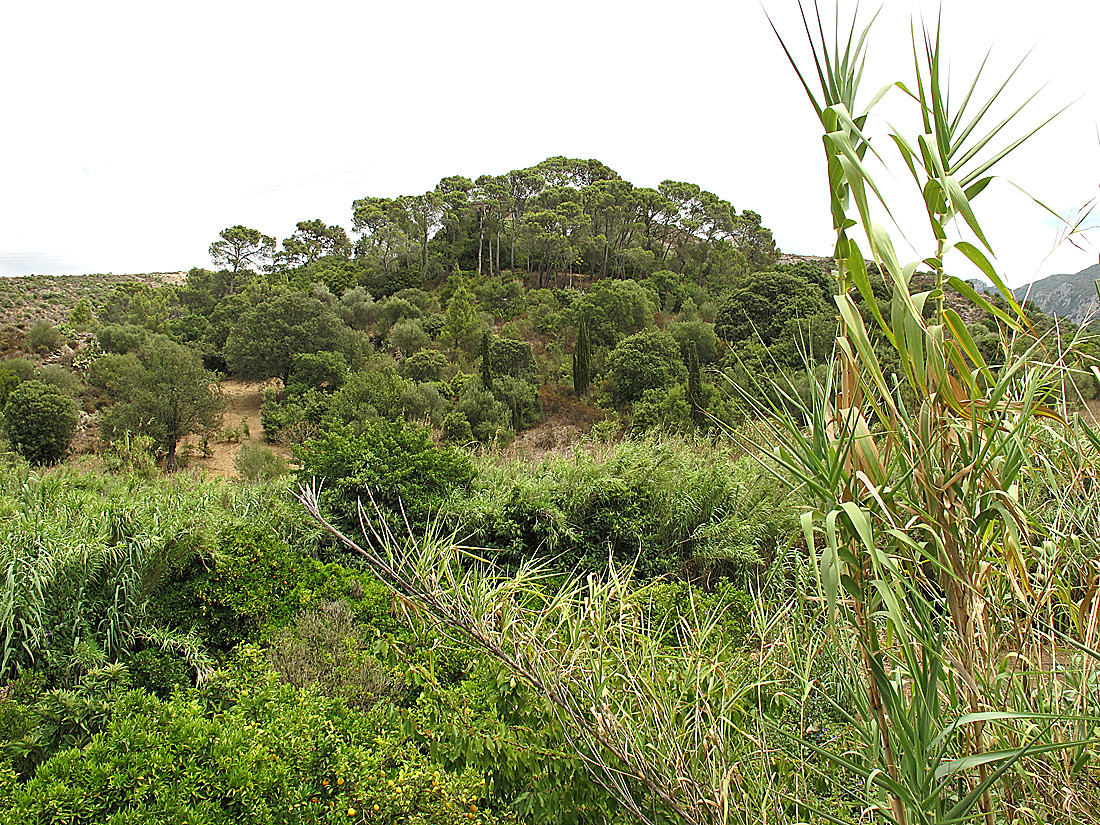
(1066, 296)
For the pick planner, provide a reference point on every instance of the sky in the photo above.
(133, 132)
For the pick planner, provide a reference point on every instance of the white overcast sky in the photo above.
(132, 133)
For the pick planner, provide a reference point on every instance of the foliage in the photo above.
(121, 338)
(582, 362)
(255, 585)
(652, 724)
(22, 368)
(265, 340)
(456, 429)
(158, 671)
(765, 303)
(395, 464)
(489, 417)
(163, 392)
(425, 365)
(64, 379)
(43, 337)
(81, 556)
(324, 370)
(917, 506)
(612, 309)
(8, 382)
(243, 748)
(240, 249)
(39, 421)
(661, 505)
(326, 648)
(462, 326)
(511, 357)
(382, 393)
(644, 361)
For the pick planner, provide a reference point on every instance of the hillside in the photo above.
(1065, 296)
(51, 298)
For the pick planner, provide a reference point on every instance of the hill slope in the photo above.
(1066, 296)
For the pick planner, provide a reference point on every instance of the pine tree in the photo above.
(582, 361)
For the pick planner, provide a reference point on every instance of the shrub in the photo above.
(43, 337)
(23, 368)
(65, 380)
(325, 647)
(665, 603)
(133, 454)
(243, 748)
(158, 671)
(397, 463)
(40, 421)
(257, 463)
(326, 370)
(489, 417)
(425, 365)
(120, 339)
(8, 382)
(409, 336)
(456, 429)
(645, 361)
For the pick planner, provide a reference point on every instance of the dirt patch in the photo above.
(566, 425)
(241, 425)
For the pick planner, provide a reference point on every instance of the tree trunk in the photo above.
(480, 239)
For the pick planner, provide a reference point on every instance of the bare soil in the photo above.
(242, 415)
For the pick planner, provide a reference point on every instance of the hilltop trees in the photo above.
(313, 240)
(240, 249)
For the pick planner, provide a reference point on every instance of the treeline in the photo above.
(558, 218)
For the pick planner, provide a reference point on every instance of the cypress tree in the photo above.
(486, 363)
(695, 387)
(582, 361)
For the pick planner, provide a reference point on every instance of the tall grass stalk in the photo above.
(919, 509)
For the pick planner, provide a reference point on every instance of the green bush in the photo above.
(327, 649)
(120, 339)
(242, 748)
(43, 337)
(64, 379)
(8, 382)
(645, 361)
(667, 505)
(395, 463)
(456, 429)
(664, 603)
(23, 368)
(158, 671)
(326, 370)
(490, 418)
(257, 584)
(40, 421)
(425, 365)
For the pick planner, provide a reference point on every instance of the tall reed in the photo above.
(918, 507)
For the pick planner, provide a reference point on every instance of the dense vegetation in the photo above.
(818, 543)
